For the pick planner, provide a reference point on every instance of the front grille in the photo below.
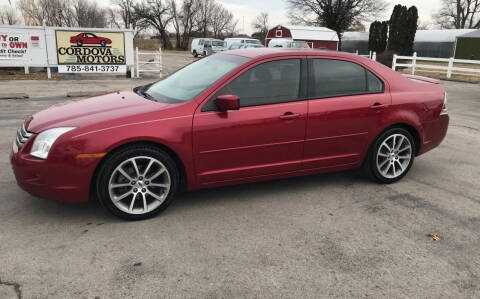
(22, 136)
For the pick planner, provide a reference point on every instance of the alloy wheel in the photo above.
(139, 185)
(393, 156)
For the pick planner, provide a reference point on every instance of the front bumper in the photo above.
(60, 179)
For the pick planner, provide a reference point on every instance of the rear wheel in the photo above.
(79, 43)
(138, 182)
(391, 156)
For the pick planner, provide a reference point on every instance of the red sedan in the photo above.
(89, 39)
(235, 117)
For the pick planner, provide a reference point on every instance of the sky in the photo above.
(245, 11)
(277, 9)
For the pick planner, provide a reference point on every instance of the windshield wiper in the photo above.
(142, 91)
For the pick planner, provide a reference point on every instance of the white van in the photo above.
(287, 43)
(242, 41)
(207, 46)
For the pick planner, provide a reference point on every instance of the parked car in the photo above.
(236, 46)
(287, 43)
(234, 117)
(242, 41)
(207, 46)
(89, 39)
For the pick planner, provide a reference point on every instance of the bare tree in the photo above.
(337, 15)
(69, 13)
(220, 20)
(459, 14)
(183, 19)
(156, 13)
(8, 15)
(261, 24)
(204, 19)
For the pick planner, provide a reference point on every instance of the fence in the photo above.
(371, 55)
(450, 68)
(142, 66)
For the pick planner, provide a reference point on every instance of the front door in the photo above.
(346, 104)
(265, 136)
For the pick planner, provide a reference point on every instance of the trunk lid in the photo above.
(421, 79)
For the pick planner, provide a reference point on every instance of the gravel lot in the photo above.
(332, 235)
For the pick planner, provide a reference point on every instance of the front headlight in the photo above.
(44, 141)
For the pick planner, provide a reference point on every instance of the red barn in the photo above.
(316, 37)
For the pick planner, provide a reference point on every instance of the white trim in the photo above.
(279, 31)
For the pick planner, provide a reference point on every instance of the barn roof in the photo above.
(440, 35)
(312, 33)
(475, 33)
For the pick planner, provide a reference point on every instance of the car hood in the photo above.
(90, 111)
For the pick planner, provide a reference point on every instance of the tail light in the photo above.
(445, 106)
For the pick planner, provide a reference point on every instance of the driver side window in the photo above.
(268, 83)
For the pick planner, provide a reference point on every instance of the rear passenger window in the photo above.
(268, 83)
(341, 78)
(374, 84)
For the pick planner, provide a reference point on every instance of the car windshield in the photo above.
(193, 79)
(253, 42)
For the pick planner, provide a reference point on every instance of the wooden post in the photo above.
(49, 73)
(160, 61)
(394, 62)
(27, 70)
(137, 68)
(374, 56)
(414, 62)
(450, 66)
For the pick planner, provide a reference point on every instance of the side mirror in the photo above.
(226, 102)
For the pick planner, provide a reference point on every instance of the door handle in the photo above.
(379, 106)
(289, 116)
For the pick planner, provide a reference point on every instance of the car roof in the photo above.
(271, 52)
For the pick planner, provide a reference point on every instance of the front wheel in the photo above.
(391, 156)
(137, 182)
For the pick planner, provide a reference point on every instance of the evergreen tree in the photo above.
(402, 29)
(411, 30)
(377, 40)
(397, 22)
(382, 45)
(373, 36)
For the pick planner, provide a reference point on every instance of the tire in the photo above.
(205, 54)
(103, 43)
(79, 43)
(195, 54)
(386, 163)
(142, 190)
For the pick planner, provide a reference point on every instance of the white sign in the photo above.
(92, 69)
(14, 46)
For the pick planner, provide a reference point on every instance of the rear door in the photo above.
(346, 104)
(265, 136)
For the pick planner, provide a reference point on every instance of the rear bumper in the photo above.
(52, 180)
(434, 133)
